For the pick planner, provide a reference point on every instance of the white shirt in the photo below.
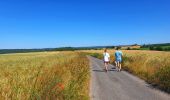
(106, 56)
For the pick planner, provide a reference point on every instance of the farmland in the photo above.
(152, 66)
(44, 75)
(65, 75)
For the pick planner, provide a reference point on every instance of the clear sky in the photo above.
(60, 23)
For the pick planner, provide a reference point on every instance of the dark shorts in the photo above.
(106, 61)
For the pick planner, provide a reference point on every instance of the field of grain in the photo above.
(152, 66)
(44, 76)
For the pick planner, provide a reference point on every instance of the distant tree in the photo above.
(135, 45)
(113, 47)
(144, 46)
(128, 48)
(110, 47)
(159, 48)
(167, 49)
(151, 48)
(119, 47)
(65, 49)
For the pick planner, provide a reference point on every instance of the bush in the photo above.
(128, 48)
(119, 47)
(167, 49)
(151, 48)
(159, 48)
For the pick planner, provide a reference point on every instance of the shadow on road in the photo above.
(103, 70)
(99, 70)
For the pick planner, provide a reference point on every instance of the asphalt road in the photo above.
(115, 85)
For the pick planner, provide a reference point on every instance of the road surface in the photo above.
(115, 85)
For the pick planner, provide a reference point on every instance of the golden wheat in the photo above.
(44, 75)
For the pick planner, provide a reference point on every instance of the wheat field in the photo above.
(65, 75)
(44, 76)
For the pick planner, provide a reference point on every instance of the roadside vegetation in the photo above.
(44, 76)
(152, 66)
(157, 47)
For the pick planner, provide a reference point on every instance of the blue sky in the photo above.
(60, 23)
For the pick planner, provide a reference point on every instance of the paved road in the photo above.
(115, 85)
